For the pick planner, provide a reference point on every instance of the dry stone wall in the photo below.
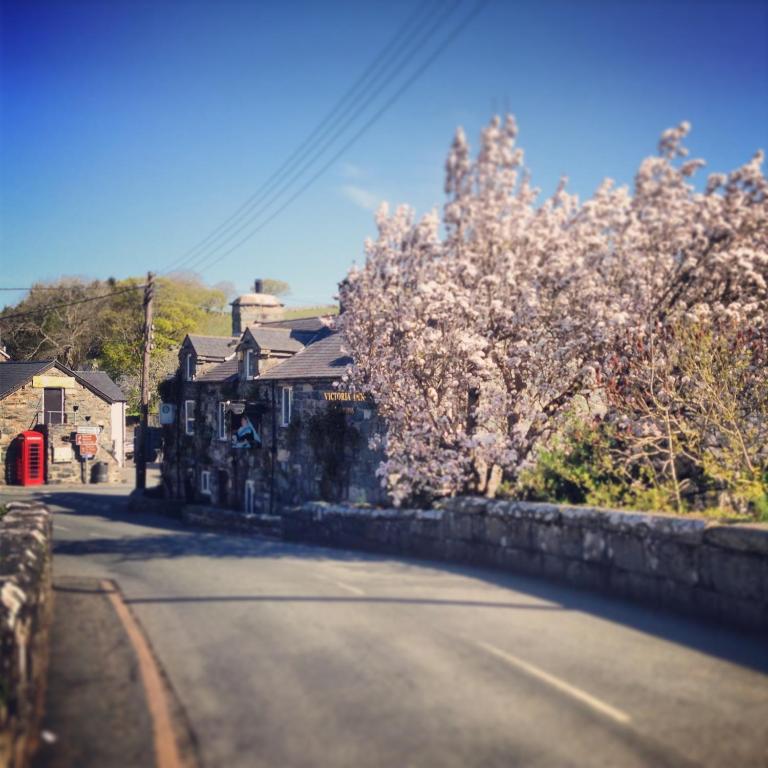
(26, 610)
(690, 565)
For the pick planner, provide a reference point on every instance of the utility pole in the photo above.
(141, 446)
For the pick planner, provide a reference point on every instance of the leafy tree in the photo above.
(183, 305)
(276, 287)
(72, 333)
(108, 333)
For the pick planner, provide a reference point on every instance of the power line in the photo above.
(295, 176)
(356, 137)
(51, 307)
(321, 128)
(309, 153)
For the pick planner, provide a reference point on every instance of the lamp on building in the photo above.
(237, 407)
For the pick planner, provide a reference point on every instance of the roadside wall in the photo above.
(690, 565)
(26, 610)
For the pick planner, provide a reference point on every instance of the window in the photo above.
(250, 364)
(53, 406)
(286, 405)
(221, 421)
(205, 482)
(189, 417)
(250, 496)
(189, 373)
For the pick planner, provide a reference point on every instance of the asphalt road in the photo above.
(285, 655)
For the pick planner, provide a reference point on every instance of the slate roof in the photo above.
(322, 359)
(100, 380)
(278, 339)
(14, 374)
(213, 347)
(221, 372)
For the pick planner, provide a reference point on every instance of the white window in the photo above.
(221, 421)
(189, 417)
(205, 482)
(250, 364)
(250, 496)
(286, 405)
(189, 372)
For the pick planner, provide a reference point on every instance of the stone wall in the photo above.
(323, 453)
(690, 565)
(19, 413)
(26, 605)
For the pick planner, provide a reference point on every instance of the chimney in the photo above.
(258, 285)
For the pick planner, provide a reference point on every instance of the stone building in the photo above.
(270, 424)
(81, 415)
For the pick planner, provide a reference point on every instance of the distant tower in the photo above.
(254, 308)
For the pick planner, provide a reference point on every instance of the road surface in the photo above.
(285, 655)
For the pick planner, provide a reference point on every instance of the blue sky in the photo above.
(130, 130)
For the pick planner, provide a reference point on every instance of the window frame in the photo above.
(205, 481)
(286, 397)
(55, 417)
(189, 417)
(249, 495)
(222, 433)
(189, 371)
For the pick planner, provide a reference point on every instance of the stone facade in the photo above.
(321, 453)
(690, 565)
(254, 308)
(324, 452)
(20, 411)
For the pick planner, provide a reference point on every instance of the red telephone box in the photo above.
(30, 467)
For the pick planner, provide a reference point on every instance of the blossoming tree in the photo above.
(475, 341)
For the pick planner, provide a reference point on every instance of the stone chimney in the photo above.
(255, 308)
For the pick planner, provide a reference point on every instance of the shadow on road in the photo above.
(176, 540)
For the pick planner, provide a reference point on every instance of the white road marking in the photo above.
(353, 590)
(60, 527)
(555, 682)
